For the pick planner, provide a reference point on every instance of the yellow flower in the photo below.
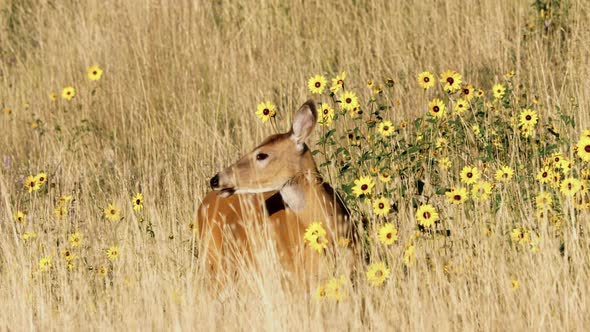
(68, 93)
(64, 200)
(476, 130)
(20, 217)
(469, 175)
(381, 206)
(436, 108)
(451, 80)
(76, 239)
(348, 100)
(338, 82)
(377, 273)
(363, 186)
(94, 73)
(481, 190)
(60, 212)
(515, 284)
(314, 230)
(334, 288)
(527, 118)
(387, 234)
(7, 111)
(409, 255)
(317, 84)
(570, 186)
(370, 84)
(53, 96)
(45, 263)
(112, 212)
(426, 215)
(583, 148)
(113, 253)
(384, 177)
(504, 174)
(265, 111)
(460, 106)
(320, 292)
(426, 80)
(41, 178)
(468, 92)
(545, 174)
(544, 200)
(68, 255)
(457, 195)
(444, 163)
(385, 128)
(32, 184)
(29, 236)
(138, 202)
(499, 91)
(520, 235)
(326, 115)
(102, 271)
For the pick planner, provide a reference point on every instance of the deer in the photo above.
(277, 186)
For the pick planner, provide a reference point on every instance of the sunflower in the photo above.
(265, 111)
(426, 215)
(460, 106)
(326, 115)
(377, 273)
(338, 82)
(370, 84)
(76, 239)
(20, 217)
(499, 91)
(320, 292)
(41, 178)
(68, 255)
(469, 175)
(504, 174)
(334, 288)
(53, 96)
(314, 230)
(94, 73)
(570, 186)
(583, 148)
(384, 177)
(385, 128)
(481, 190)
(520, 235)
(426, 80)
(68, 93)
(32, 184)
(527, 118)
(451, 81)
(112, 212)
(29, 236)
(45, 263)
(113, 253)
(60, 212)
(381, 206)
(444, 163)
(436, 108)
(317, 84)
(544, 200)
(318, 243)
(409, 255)
(363, 186)
(468, 92)
(387, 234)
(348, 100)
(545, 174)
(102, 271)
(138, 202)
(457, 195)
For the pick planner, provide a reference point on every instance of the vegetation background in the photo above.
(177, 102)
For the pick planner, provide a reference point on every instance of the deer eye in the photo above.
(261, 156)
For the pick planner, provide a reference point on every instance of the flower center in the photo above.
(318, 84)
(389, 235)
(450, 80)
(381, 205)
(426, 79)
(469, 175)
(348, 100)
(457, 197)
(364, 187)
(528, 118)
(426, 215)
(326, 111)
(435, 109)
(385, 128)
(266, 111)
(587, 148)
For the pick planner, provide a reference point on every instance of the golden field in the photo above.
(177, 102)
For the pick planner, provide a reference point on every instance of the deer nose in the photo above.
(214, 182)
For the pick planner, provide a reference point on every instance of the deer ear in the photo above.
(304, 122)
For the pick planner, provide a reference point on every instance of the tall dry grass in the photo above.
(176, 103)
